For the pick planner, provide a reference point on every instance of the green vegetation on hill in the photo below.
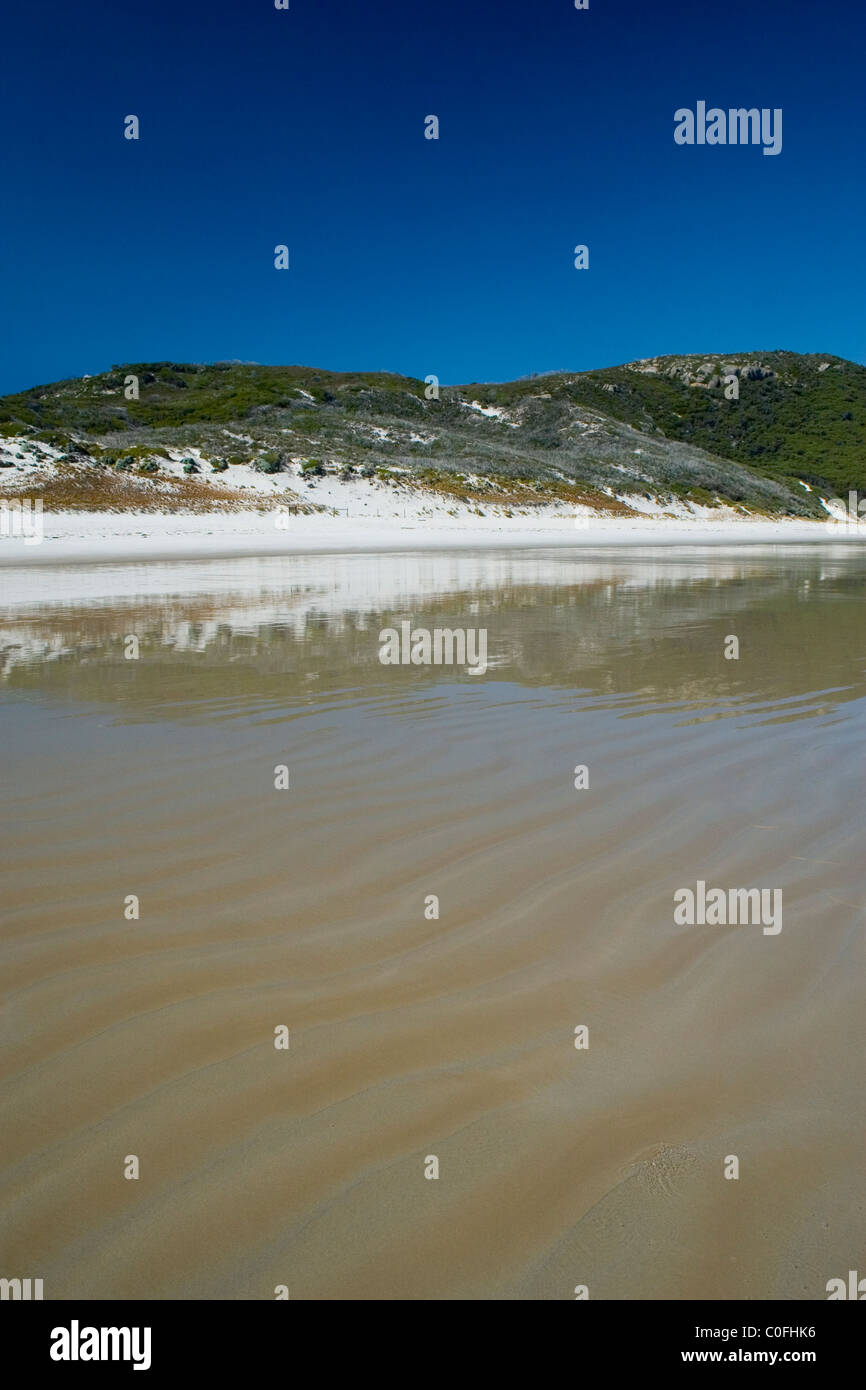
(174, 394)
(797, 416)
(663, 428)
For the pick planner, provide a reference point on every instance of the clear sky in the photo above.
(454, 257)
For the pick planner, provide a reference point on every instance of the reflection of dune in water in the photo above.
(288, 637)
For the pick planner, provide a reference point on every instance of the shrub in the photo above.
(313, 468)
(268, 463)
(190, 466)
(123, 465)
(219, 465)
(149, 466)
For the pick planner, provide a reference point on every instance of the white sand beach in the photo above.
(95, 536)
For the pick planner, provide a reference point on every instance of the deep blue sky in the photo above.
(454, 257)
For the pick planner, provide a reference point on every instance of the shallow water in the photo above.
(411, 1036)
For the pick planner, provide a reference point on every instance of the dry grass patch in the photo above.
(520, 493)
(71, 489)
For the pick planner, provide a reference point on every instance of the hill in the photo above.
(660, 432)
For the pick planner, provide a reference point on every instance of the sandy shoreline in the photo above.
(70, 538)
(450, 1036)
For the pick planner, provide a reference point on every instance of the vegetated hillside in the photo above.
(798, 416)
(661, 429)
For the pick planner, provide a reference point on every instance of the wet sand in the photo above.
(413, 1037)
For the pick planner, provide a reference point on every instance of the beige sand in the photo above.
(451, 1037)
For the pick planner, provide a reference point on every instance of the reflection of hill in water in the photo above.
(631, 633)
